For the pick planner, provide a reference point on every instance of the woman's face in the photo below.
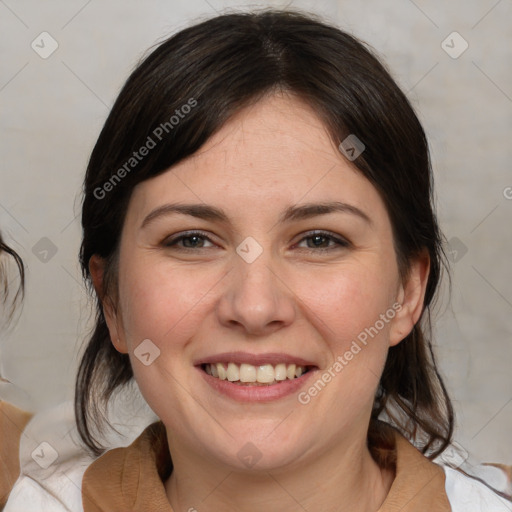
(265, 249)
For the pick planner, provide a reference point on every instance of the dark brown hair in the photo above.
(8, 301)
(225, 64)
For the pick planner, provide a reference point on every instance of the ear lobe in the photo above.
(97, 271)
(411, 295)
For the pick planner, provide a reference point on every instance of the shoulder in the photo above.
(12, 424)
(124, 477)
(51, 464)
(467, 493)
(424, 484)
(52, 460)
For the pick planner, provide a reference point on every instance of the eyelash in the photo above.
(340, 242)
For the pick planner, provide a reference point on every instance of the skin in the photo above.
(295, 298)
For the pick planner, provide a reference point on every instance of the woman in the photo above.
(259, 231)
(12, 419)
(8, 301)
(258, 227)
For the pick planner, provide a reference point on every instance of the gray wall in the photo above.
(52, 110)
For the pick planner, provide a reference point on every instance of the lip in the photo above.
(253, 394)
(272, 358)
(256, 393)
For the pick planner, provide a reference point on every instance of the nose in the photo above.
(256, 299)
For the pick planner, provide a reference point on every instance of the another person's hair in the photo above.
(220, 66)
(9, 299)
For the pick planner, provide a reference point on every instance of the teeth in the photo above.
(280, 372)
(265, 374)
(247, 373)
(220, 370)
(233, 372)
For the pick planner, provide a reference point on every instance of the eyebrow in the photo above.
(292, 213)
(305, 211)
(200, 211)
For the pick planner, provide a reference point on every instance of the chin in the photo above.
(246, 453)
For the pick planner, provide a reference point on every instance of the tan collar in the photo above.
(12, 423)
(131, 479)
(419, 484)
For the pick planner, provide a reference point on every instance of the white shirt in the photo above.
(49, 484)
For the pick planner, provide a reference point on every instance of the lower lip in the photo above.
(248, 393)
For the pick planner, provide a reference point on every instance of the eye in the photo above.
(323, 241)
(189, 240)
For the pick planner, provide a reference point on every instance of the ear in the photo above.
(410, 296)
(97, 271)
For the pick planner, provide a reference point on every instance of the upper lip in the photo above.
(272, 358)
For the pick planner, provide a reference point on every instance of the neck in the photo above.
(341, 480)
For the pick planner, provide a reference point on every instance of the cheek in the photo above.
(352, 310)
(166, 306)
(162, 303)
(348, 301)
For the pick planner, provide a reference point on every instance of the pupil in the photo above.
(193, 238)
(317, 240)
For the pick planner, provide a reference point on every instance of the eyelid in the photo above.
(339, 240)
(173, 239)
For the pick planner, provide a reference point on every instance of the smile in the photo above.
(248, 378)
(248, 374)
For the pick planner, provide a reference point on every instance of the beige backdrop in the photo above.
(52, 106)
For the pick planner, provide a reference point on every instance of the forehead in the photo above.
(276, 152)
(277, 133)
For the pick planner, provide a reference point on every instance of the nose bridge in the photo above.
(255, 282)
(255, 297)
(253, 262)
